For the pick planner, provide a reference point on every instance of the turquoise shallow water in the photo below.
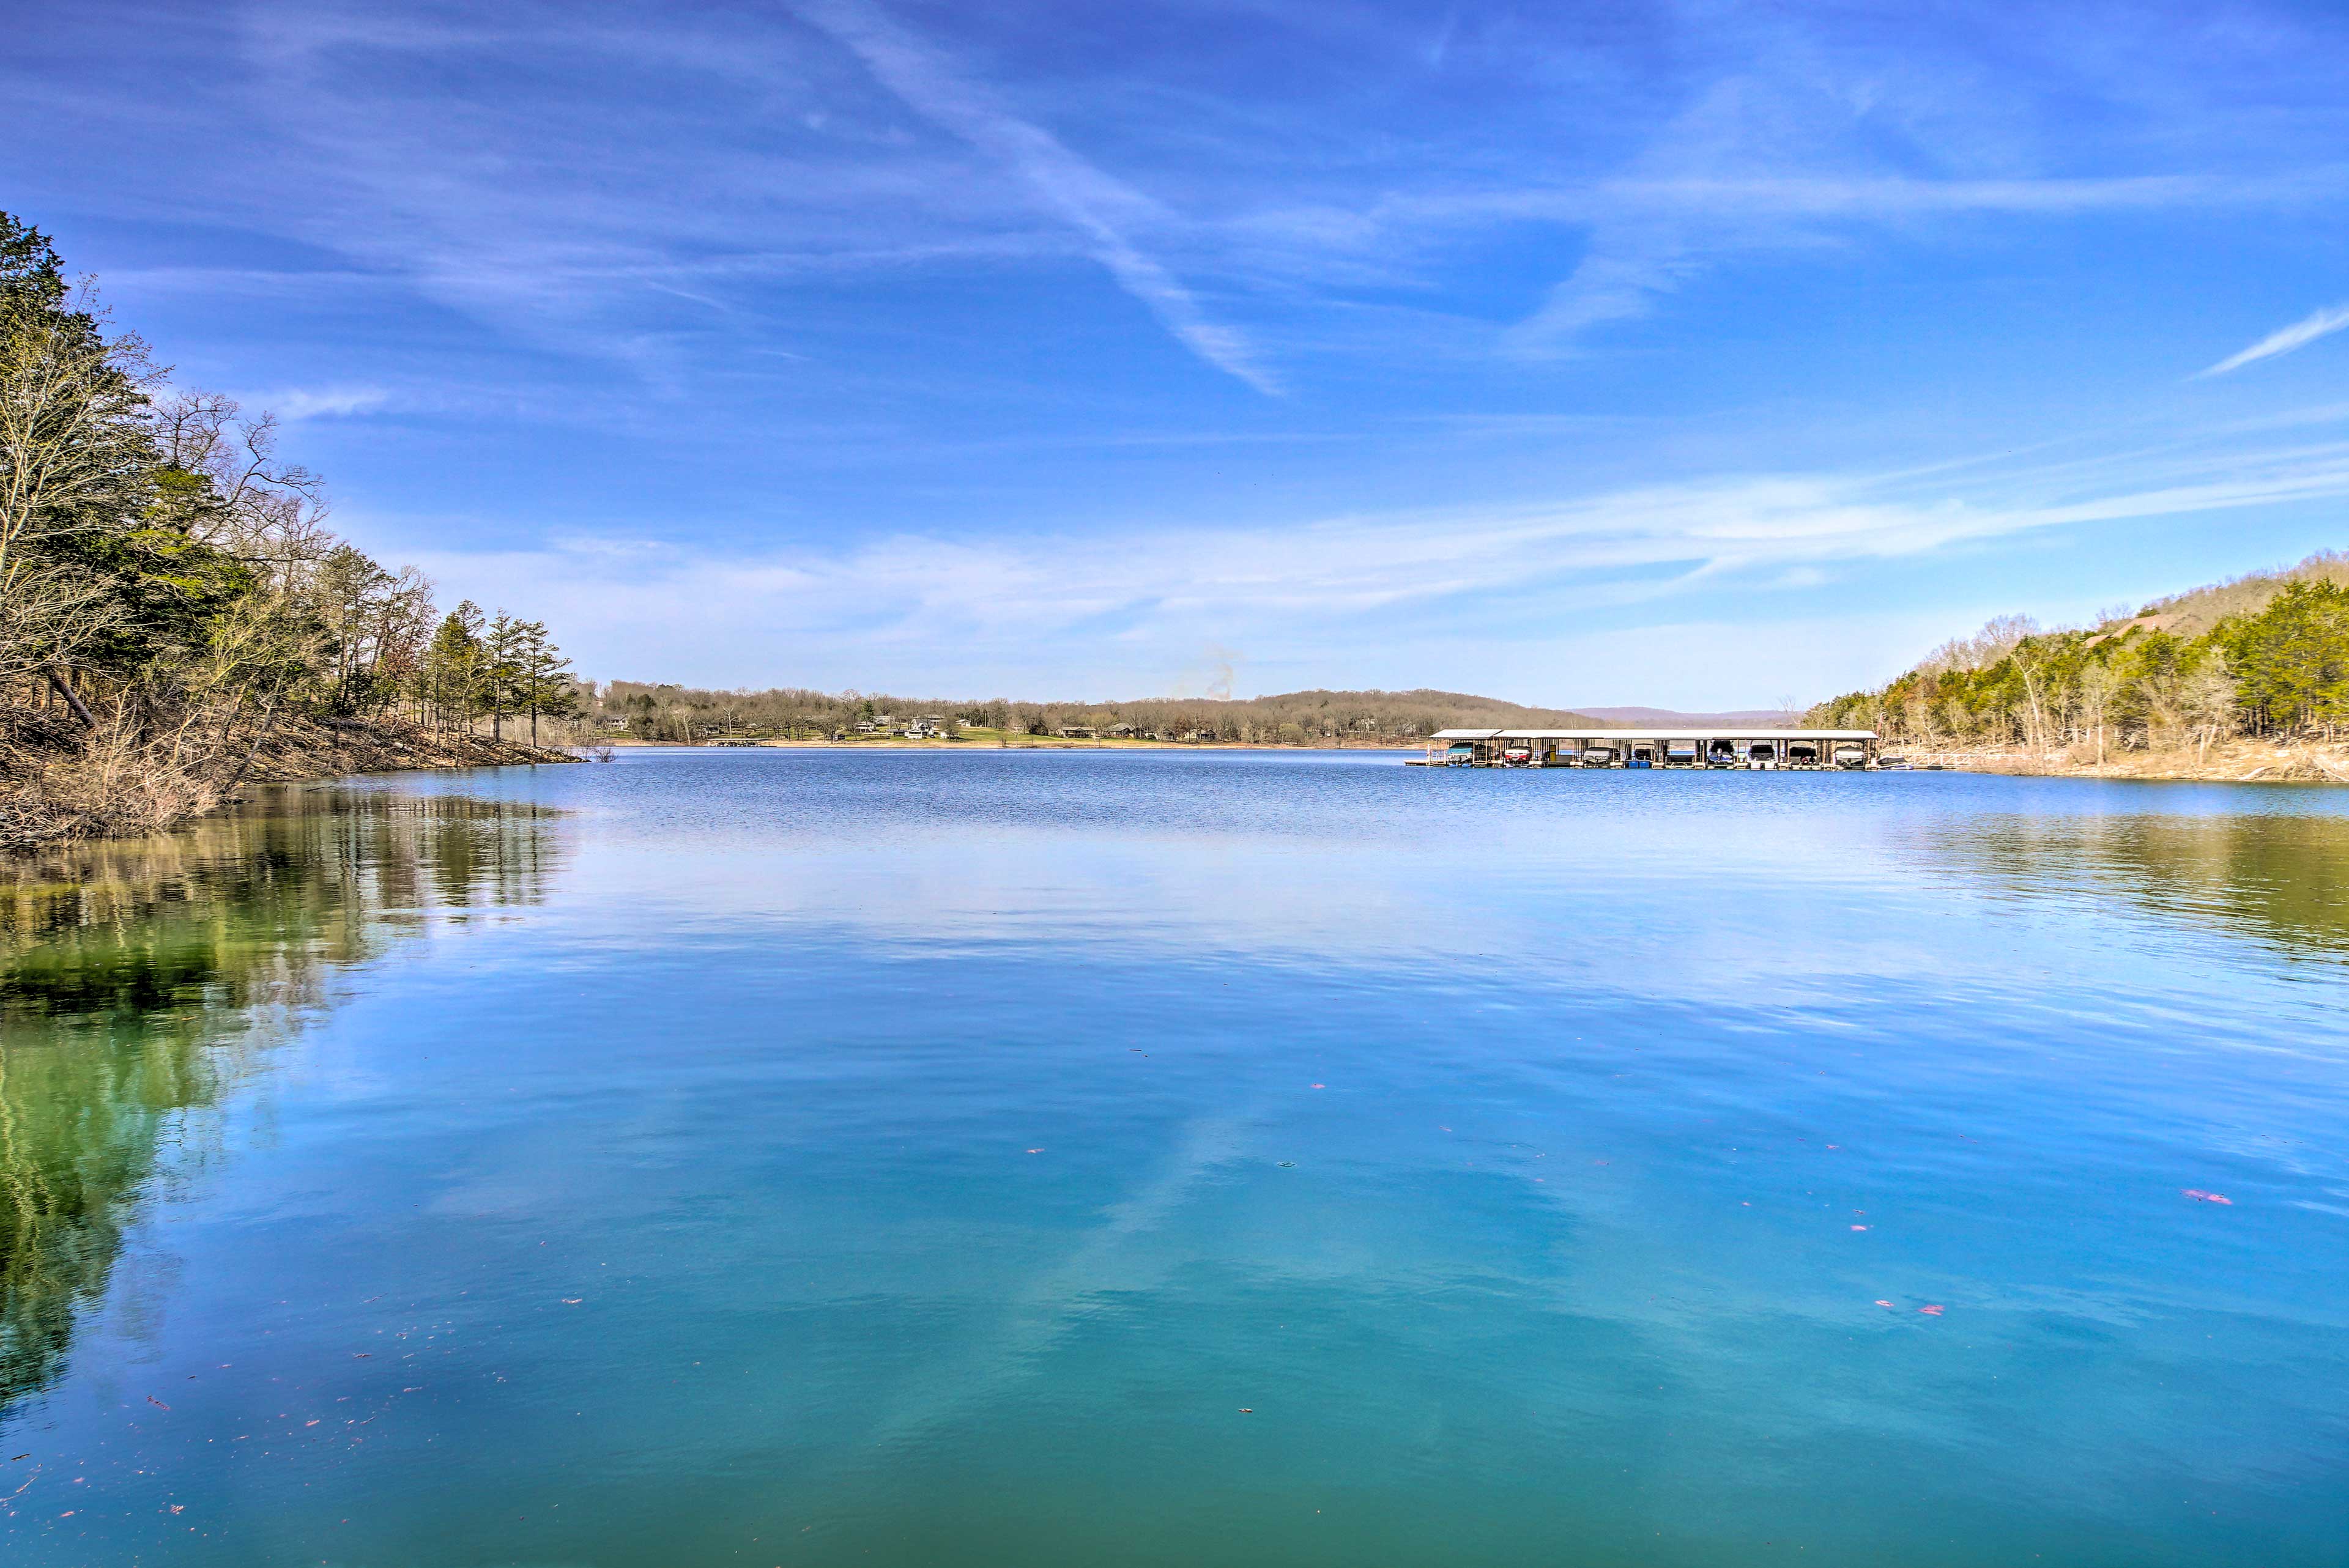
(825, 1157)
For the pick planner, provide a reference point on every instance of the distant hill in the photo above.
(1670, 718)
(681, 712)
(1458, 710)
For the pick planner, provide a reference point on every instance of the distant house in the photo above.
(868, 727)
(926, 728)
(1079, 732)
(1123, 731)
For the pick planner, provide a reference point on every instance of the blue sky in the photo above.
(1693, 355)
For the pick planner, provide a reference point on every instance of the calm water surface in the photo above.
(819, 1157)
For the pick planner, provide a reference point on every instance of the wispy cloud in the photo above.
(295, 404)
(1619, 283)
(1647, 237)
(827, 284)
(2299, 334)
(657, 189)
(1492, 572)
(1104, 210)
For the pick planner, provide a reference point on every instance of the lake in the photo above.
(1182, 1158)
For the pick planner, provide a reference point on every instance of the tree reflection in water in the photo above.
(2280, 880)
(141, 981)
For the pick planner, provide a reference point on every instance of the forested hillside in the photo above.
(2262, 654)
(681, 712)
(172, 605)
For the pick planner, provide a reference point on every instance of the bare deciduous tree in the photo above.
(265, 512)
(2208, 697)
(2100, 683)
(75, 459)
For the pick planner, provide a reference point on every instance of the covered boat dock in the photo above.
(1745, 748)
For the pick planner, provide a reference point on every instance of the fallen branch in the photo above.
(73, 698)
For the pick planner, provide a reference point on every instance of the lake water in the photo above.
(812, 1158)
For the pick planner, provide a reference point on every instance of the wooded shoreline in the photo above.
(176, 619)
(2236, 761)
(306, 750)
(2259, 661)
(1011, 743)
(65, 793)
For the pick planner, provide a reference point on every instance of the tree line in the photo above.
(675, 713)
(2276, 663)
(166, 578)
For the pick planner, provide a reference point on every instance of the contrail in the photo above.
(2299, 334)
(1092, 202)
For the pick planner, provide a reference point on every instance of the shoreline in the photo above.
(314, 751)
(62, 800)
(2227, 762)
(2233, 761)
(994, 743)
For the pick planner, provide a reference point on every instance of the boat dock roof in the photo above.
(1719, 732)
